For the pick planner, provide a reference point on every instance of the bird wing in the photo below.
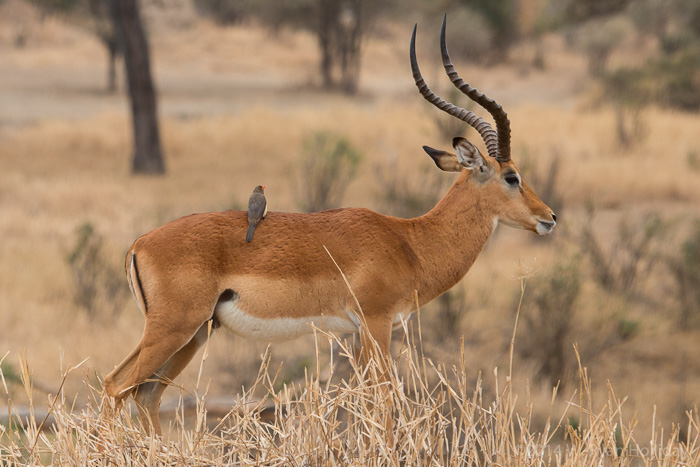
(257, 206)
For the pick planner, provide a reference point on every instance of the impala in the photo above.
(199, 268)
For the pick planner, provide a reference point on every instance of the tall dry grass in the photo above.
(439, 418)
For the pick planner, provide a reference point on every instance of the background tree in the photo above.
(340, 33)
(148, 157)
(104, 27)
(340, 26)
(501, 17)
(96, 17)
(479, 30)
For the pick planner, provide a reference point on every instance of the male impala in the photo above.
(199, 268)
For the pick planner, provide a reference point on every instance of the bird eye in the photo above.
(512, 180)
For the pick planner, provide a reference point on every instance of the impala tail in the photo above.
(134, 280)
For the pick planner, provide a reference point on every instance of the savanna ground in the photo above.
(237, 105)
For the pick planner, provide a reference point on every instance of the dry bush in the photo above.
(99, 288)
(693, 160)
(449, 310)
(630, 256)
(329, 163)
(685, 269)
(599, 38)
(548, 320)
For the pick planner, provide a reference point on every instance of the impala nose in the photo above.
(545, 227)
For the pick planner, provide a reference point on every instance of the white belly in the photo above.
(277, 329)
(399, 318)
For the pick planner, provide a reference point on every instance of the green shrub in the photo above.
(447, 312)
(100, 289)
(328, 165)
(686, 271)
(618, 265)
(10, 374)
(627, 328)
(547, 314)
(672, 80)
(226, 12)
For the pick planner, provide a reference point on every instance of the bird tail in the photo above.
(249, 234)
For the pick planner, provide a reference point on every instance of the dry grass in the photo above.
(439, 418)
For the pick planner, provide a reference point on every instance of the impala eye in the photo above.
(512, 180)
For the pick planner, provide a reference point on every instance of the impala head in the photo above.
(515, 204)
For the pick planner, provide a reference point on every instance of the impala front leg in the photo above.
(375, 337)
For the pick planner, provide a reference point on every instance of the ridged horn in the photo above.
(500, 149)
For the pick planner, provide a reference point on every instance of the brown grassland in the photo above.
(236, 105)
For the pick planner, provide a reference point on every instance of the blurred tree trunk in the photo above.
(340, 32)
(105, 26)
(112, 67)
(327, 18)
(350, 40)
(148, 158)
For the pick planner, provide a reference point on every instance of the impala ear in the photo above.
(468, 154)
(444, 160)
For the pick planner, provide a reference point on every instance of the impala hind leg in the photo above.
(148, 395)
(163, 337)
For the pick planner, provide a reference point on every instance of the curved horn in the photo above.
(501, 150)
(479, 124)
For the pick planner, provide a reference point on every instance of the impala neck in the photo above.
(449, 238)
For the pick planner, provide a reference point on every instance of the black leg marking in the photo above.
(138, 282)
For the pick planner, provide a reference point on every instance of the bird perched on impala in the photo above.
(257, 210)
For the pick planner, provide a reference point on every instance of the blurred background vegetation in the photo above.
(314, 98)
